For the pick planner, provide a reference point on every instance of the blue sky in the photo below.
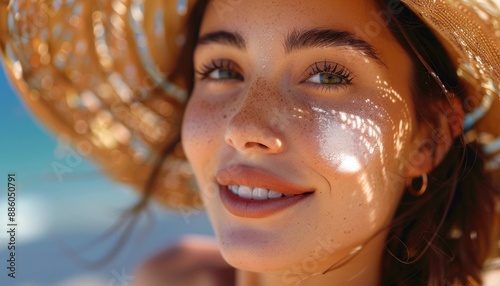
(25, 146)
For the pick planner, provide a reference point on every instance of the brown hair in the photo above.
(444, 236)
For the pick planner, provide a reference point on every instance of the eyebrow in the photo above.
(223, 37)
(295, 40)
(324, 38)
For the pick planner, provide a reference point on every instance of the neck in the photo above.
(360, 269)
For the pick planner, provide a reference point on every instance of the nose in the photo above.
(254, 128)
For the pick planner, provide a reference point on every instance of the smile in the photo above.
(248, 207)
(250, 193)
(254, 193)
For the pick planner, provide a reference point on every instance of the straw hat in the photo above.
(98, 73)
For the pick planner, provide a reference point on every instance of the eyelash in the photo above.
(329, 68)
(214, 65)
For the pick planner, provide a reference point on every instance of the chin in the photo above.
(256, 252)
(249, 260)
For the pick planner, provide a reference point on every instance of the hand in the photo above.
(193, 260)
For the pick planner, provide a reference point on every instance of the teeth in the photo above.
(255, 193)
(233, 189)
(273, 195)
(245, 192)
(259, 194)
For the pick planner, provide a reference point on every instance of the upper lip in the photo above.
(257, 178)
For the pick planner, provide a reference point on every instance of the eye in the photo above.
(220, 70)
(224, 74)
(325, 78)
(328, 75)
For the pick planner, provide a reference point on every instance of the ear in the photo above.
(435, 136)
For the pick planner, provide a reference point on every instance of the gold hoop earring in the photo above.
(422, 189)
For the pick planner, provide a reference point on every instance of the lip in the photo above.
(257, 178)
(247, 176)
(241, 207)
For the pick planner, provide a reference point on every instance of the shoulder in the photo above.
(193, 260)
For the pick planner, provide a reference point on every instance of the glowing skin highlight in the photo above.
(260, 103)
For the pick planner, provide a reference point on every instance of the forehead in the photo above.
(266, 23)
(276, 15)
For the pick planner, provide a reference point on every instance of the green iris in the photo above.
(328, 78)
(227, 74)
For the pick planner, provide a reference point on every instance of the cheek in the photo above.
(352, 141)
(360, 145)
(201, 131)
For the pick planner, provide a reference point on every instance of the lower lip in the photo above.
(241, 207)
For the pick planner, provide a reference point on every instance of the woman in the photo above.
(327, 143)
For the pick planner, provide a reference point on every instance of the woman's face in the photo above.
(310, 99)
